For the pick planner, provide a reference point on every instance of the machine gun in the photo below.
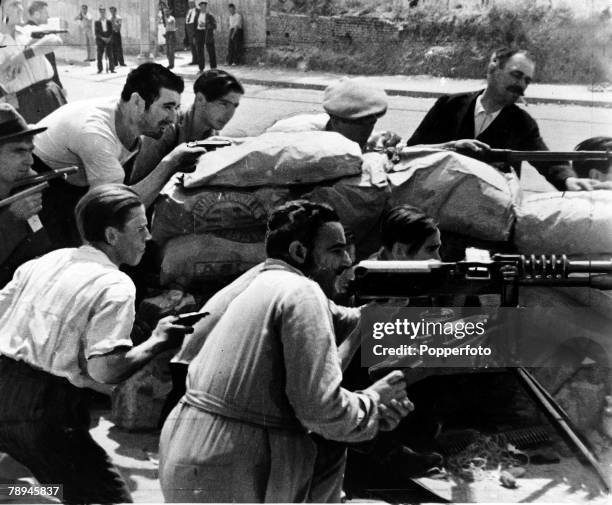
(502, 274)
(509, 156)
(39, 34)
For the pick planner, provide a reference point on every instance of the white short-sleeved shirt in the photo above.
(235, 21)
(65, 307)
(33, 70)
(83, 133)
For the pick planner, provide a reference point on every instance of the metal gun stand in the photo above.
(558, 418)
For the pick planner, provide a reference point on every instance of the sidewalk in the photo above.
(419, 86)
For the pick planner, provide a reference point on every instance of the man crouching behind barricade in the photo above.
(598, 171)
(352, 108)
(269, 374)
(65, 321)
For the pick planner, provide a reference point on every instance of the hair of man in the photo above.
(36, 6)
(298, 220)
(215, 84)
(600, 143)
(407, 225)
(147, 80)
(105, 205)
(501, 56)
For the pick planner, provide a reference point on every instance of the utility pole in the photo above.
(148, 30)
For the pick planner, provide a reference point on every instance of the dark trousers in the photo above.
(170, 47)
(117, 49)
(201, 42)
(190, 36)
(44, 424)
(102, 50)
(234, 47)
(57, 215)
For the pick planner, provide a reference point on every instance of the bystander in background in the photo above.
(86, 29)
(116, 38)
(236, 36)
(170, 37)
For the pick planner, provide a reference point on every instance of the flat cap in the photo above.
(354, 99)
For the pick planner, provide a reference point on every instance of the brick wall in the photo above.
(290, 29)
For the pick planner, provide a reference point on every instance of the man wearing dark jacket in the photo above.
(103, 30)
(491, 116)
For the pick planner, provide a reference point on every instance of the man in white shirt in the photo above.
(86, 28)
(236, 36)
(101, 136)
(65, 321)
(26, 75)
(205, 26)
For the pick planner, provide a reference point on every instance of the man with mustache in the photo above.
(268, 375)
(101, 136)
(492, 118)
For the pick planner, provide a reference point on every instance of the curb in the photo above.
(390, 91)
(408, 93)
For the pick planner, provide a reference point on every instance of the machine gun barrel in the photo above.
(510, 156)
(401, 279)
(47, 176)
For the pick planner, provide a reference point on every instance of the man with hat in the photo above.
(205, 26)
(352, 108)
(23, 237)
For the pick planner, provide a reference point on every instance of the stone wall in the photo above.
(287, 29)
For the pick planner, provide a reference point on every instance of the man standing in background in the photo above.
(190, 28)
(39, 15)
(85, 27)
(116, 44)
(103, 30)
(170, 36)
(205, 36)
(236, 36)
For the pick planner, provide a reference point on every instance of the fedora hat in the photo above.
(13, 126)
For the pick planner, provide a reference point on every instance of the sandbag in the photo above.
(359, 201)
(274, 159)
(205, 262)
(137, 402)
(464, 195)
(574, 222)
(234, 214)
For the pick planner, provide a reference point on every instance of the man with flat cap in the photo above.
(23, 237)
(352, 107)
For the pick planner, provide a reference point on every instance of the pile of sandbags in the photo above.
(212, 222)
(282, 159)
(575, 222)
(463, 194)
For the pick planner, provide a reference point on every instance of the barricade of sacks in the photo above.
(212, 222)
